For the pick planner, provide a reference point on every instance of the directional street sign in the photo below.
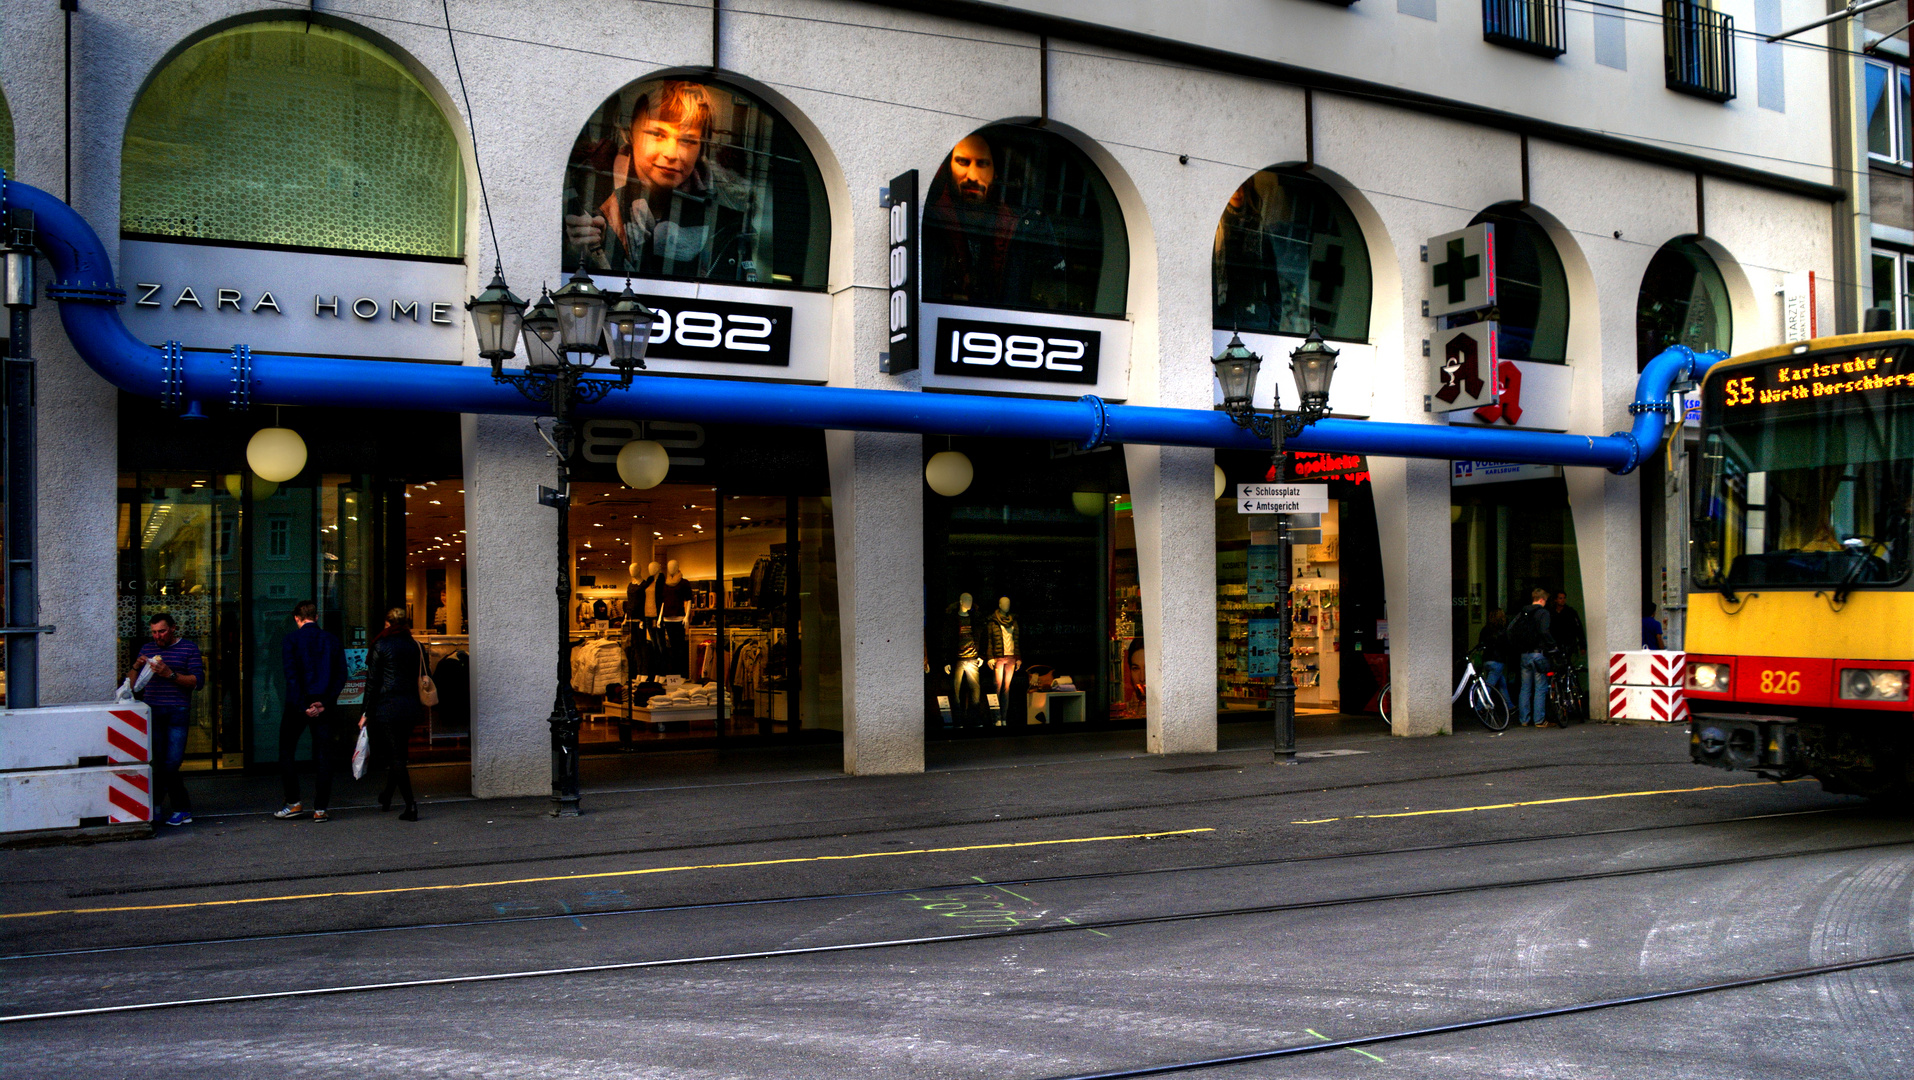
(1282, 498)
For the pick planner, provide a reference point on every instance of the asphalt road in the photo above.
(1020, 918)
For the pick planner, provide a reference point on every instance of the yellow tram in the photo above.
(1800, 630)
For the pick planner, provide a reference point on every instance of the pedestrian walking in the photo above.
(315, 667)
(1497, 654)
(1652, 635)
(392, 707)
(1529, 636)
(177, 669)
(1565, 626)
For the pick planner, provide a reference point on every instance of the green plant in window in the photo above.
(295, 135)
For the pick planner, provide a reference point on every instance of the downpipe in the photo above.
(84, 287)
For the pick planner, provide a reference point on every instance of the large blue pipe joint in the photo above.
(84, 287)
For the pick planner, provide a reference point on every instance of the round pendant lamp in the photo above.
(1088, 503)
(643, 463)
(277, 454)
(949, 473)
(1222, 482)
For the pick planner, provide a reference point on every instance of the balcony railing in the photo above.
(1533, 26)
(1698, 47)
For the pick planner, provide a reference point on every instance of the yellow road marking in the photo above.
(588, 877)
(1545, 802)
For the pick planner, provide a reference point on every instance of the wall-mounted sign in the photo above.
(1351, 394)
(1531, 395)
(740, 331)
(1035, 352)
(900, 355)
(211, 296)
(1800, 321)
(1465, 358)
(719, 332)
(994, 350)
(1462, 270)
(1468, 473)
(1312, 465)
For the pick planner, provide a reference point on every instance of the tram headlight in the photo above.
(1873, 684)
(1708, 678)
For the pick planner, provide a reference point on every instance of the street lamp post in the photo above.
(564, 334)
(1314, 365)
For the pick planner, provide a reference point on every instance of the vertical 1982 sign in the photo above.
(902, 354)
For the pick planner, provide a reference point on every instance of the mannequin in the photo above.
(1002, 646)
(672, 592)
(641, 616)
(966, 664)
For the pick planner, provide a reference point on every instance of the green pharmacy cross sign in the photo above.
(1462, 270)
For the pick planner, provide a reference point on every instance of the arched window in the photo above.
(683, 178)
(1684, 301)
(1530, 288)
(6, 136)
(1290, 259)
(292, 135)
(1019, 217)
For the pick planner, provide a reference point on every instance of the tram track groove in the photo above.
(943, 939)
(172, 886)
(1050, 879)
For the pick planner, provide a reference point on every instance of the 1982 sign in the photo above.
(1014, 351)
(719, 332)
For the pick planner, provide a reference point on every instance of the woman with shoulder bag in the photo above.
(393, 703)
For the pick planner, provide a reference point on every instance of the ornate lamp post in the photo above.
(1314, 365)
(564, 334)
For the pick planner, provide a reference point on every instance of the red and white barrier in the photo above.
(72, 736)
(75, 798)
(1647, 667)
(1662, 704)
(75, 766)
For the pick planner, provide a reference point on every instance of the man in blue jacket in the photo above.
(315, 673)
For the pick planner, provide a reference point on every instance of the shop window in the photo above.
(1019, 217)
(1893, 291)
(679, 178)
(1890, 113)
(6, 136)
(1530, 286)
(294, 135)
(1683, 301)
(1289, 259)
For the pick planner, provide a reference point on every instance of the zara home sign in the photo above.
(209, 296)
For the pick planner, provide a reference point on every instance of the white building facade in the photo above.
(1161, 176)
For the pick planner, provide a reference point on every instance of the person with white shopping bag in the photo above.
(397, 691)
(167, 672)
(315, 666)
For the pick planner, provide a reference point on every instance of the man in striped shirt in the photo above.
(177, 670)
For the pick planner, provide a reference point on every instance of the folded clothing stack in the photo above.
(688, 696)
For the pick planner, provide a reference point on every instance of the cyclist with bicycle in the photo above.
(1529, 637)
(1497, 655)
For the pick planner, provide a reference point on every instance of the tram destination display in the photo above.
(1854, 375)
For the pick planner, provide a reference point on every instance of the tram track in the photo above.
(1037, 880)
(1074, 926)
(832, 834)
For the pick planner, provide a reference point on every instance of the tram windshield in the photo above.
(1806, 472)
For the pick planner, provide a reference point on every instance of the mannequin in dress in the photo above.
(641, 615)
(1002, 646)
(966, 663)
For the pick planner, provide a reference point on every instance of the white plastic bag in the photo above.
(129, 687)
(360, 753)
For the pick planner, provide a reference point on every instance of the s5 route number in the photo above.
(1739, 392)
(1777, 681)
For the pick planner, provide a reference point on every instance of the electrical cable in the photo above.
(942, 939)
(471, 120)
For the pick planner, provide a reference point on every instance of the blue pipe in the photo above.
(85, 289)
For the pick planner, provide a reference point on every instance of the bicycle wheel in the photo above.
(1491, 708)
(1382, 702)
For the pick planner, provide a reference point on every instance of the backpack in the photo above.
(1525, 633)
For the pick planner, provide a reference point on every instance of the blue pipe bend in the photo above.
(85, 289)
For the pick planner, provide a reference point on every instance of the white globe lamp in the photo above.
(643, 463)
(949, 473)
(276, 454)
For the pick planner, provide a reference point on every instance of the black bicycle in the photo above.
(1566, 702)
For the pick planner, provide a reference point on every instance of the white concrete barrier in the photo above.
(75, 798)
(75, 766)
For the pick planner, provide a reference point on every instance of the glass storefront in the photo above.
(1508, 538)
(228, 554)
(1041, 546)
